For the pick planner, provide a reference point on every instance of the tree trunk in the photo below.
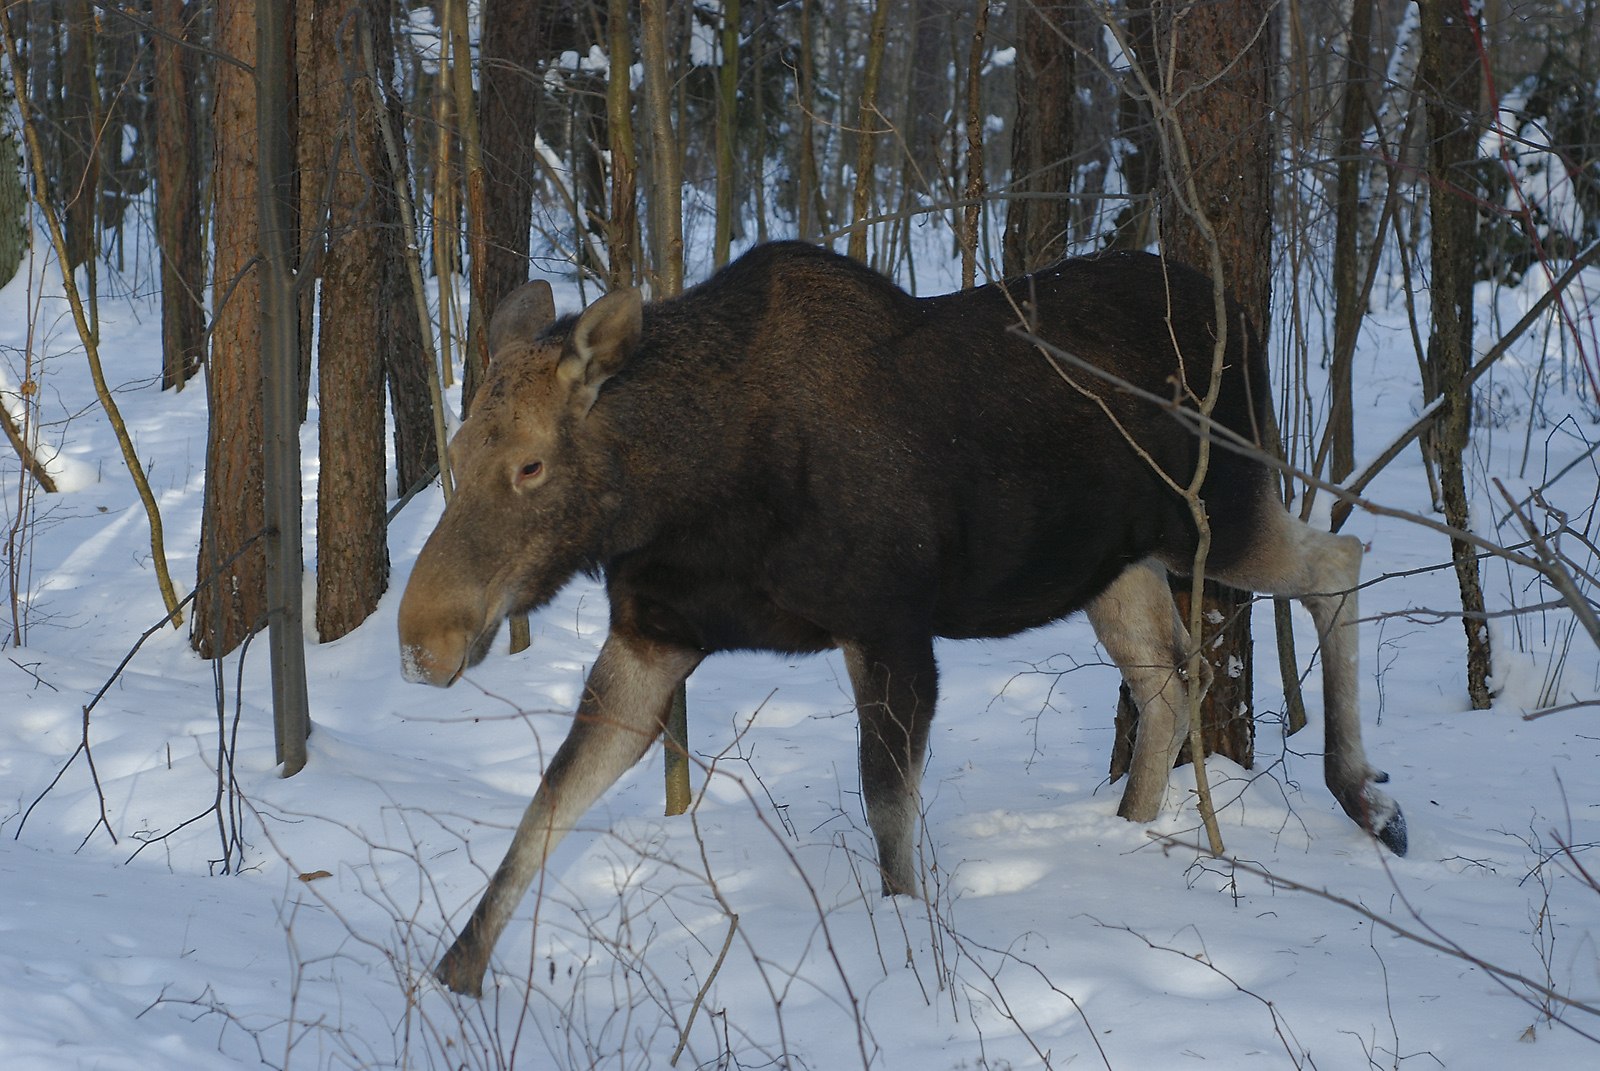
(868, 123)
(1134, 225)
(408, 367)
(973, 210)
(622, 228)
(14, 228)
(79, 179)
(727, 107)
(1216, 215)
(1349, 293)
(279, 385)
(232, 562)
(1451, 83)
(1222, 98)
(338, 110)
(666, 214)
(810, 209)
(183, 317)
(515, 35)
(1053, 40)
(666, 192)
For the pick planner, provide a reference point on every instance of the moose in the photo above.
(797, 455)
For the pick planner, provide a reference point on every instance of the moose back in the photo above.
(797, 455)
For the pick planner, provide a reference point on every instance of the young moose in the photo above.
(797, 455)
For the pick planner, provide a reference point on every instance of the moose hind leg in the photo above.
(896, 688)
(620, 716)
(1323, 571)
(1138, 625)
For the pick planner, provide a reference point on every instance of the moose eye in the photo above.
(530, 471)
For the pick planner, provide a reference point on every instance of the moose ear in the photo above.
(601, 342)
(521, 315)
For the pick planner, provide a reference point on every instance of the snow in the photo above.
(295, 925)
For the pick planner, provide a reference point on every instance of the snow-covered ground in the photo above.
(1060, 936)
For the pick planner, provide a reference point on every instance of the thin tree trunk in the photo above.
(406, 356)
(79, 180)
(278, 387)
(1348, 288)
(1134, 225)
(667, 190)
(666, 211)
(975, 178)
(183, 318)
(30, 460)
(810, 209)
(727, 105)
(622, 228)
(867, 124)
(1450, 77)
(475, 362)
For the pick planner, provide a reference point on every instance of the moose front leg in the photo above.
(618, 719)
(896, 686)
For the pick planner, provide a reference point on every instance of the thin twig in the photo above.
(694, 1009)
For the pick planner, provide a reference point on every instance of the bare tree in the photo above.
(869, 123)
(1059, 91)
(727, 108)
(1216, 214)
(339, 112)
(183, 318)
(1450, 77)
(515, 36)
(279, 386)
(622, 228)
(79, 179)
(232, 562)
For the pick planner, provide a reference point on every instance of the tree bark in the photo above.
(1349, 293)
(1229, 49)
(868, 123)
(727, 107)
(338, 111)
(232, 562)
(515, 33)
(622, 228)
(1215, 213)
(79, 179)
(1450, 79)
(183, 318)
(407, 363)
(1054, 43)
(279, 385)
(14, 229)
(666, 213)
(666, 198)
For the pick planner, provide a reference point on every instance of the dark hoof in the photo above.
(1392, 834)
(1376, 813)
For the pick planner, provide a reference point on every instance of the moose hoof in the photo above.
(1384, 819)
(1392, 834)
(459, 973)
